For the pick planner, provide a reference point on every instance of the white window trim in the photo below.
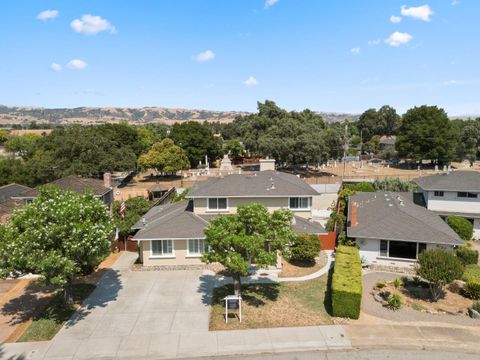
(217, 210)
(166, 256)
(194, 255)
(300, 209)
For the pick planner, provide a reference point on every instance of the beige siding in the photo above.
(180, 253)
(200, 205)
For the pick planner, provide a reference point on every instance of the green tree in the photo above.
(59, 236)
(439, 268)
(390, 120)
(14, 171)
(252, 234)
(461, 226)
(235, 148)
(197, 140)
(304, 249)
(23, 145)
(164, 157)
(135, 208)
(426, 133)
(370, 124)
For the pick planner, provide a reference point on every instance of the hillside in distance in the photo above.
(11, 115)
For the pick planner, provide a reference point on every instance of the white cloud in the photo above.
(269, 3)
(423, 12)
(452, 82)
(56, 67)
(373, 42)
(47, 15)
(206, 55)
(455, 2)
(395, 19)
(91, 25)
(77, 64)
(398, 38)
(355, 50)
(251, 81)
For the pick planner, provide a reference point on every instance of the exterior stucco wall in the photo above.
(451, 203)
(272, 204)
(370, 254)
(476, 229)
(180, 255)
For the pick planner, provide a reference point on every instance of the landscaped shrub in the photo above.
(467, 256)
(305, 248)
(347, 283)
(461, 226)
(394, 184)
(394, 302)
(363, 187)
(439, 268)
(397, 282)
(476, 306)
(472, 272)
(472, 289)
(380, 284)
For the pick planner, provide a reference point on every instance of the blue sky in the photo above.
(328, 55)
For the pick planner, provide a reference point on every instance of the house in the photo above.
(173, 234)
(102, 189)
(7, 203)
(453, 193)
(392, 230)
(387, 141)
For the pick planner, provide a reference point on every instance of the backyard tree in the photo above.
(59, 236)
(439, 268)
(135, 208)
(252, 235)
(164, 157)
(461, 226)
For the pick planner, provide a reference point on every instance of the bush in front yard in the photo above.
(347, 283)
(305, 248)
(394, 302)
(467, 256)
(472, 272)
(461, 226)
(439, 268)
(472, 289)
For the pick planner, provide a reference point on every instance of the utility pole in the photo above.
(345, 148)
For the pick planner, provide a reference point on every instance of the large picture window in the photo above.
(217, 204)
(463, 194)
(299, 203)
(401, 249)
(162, 247)
(196, 247)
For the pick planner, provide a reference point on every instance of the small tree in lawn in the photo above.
(60, 235)
(135, 207)
(439, 268)
(250, 235)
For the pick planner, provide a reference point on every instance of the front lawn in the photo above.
(274, 305)
(51, 319)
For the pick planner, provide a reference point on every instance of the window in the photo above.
(299, 203)
(438, 193)
(162, 247)
(463, 194)
(421, 247)
(196, 246)
(384, 248)
(217, 204)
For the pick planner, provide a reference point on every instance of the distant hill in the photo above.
(10, 115)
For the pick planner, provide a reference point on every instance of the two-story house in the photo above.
(453, 193)
(173, 234)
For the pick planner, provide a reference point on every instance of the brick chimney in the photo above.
(107, 180)
(353, 215)
(267, 164)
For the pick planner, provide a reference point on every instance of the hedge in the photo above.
(347, 283)
(461, 226)
(467, 256)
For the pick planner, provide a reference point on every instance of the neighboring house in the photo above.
(7, 203)
(102, 189)
(392, 230)
(453, 193)
(173, 234)
(386, 142)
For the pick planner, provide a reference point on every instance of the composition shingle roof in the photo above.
(394, 216)
(12, 190)
(453, 181)
(268, 183)
(74, 183)
(178, 221)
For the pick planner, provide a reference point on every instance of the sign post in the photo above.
(233, 302)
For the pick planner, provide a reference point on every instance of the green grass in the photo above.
(418, 307)
(472, 272)
(51, 319)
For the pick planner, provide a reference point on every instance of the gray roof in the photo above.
(453, 181)
(394, 216)
(268, 183)
(177, 221)
(12, 190)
